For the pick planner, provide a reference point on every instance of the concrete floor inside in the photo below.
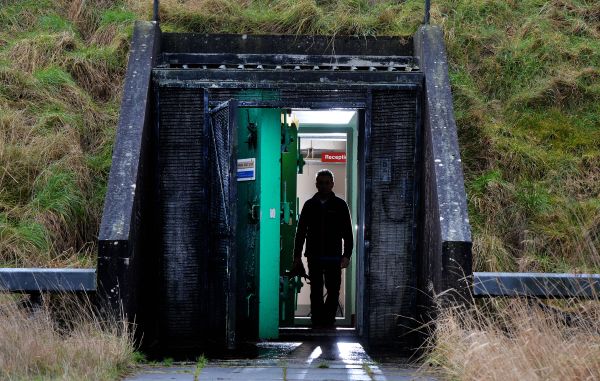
(329, 358)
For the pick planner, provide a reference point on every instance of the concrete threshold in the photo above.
(308, 333)
(332, 360)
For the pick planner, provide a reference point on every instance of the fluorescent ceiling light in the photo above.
(334, 136)
(324, 116)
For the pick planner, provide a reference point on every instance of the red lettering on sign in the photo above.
(333, 157)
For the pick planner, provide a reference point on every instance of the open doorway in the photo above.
(278, 153)
(327, 140)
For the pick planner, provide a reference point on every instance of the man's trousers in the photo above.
(324, 271)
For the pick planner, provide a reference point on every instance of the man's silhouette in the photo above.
(324, 223)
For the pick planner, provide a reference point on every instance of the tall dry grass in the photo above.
(519, 340)
(64, 338)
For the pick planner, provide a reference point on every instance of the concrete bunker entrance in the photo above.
(238, 256)
(169, 238)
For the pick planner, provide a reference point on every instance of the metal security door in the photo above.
(390, 161)
(222, 217)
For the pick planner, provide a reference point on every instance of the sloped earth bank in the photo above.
(524, 76)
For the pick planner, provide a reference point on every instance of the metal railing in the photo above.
(155, 15)
(427, 11)
(538, 285)
(38, 280)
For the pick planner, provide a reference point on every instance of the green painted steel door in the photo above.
(289, 219)
(269, 179)
(258, 210)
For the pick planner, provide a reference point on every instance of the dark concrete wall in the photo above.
(124, 253)
(444, 261)
(281, 44)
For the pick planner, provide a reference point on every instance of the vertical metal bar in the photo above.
(350, 290)
(156, 219)
(155, 15)
(156, 139)
(205, 133)
(417, 160)
(163, 326)
(427, 12)
(364, 218)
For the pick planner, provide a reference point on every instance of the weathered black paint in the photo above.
(390, 270)
(273, 79)
(182, 217)
(38, 280)
(286, 61)
(125, 251)
(445, 233)
(395, 112)
(285, 44)
(364, 218)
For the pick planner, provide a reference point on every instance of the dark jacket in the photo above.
(324, 226)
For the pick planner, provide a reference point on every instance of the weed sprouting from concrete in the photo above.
(201, 363)
(139, 357)
(368, 370)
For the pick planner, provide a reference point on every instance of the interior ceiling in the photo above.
(322, 144)
(320, 117)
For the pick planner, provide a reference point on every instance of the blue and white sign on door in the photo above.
(246, 169)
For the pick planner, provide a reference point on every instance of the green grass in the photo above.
(24, 234)
(53, 77)
(525, 83)
(117, 16)
(139, 357)
(57, 191)
(525, 79)
(54, 23)
(60, 79)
